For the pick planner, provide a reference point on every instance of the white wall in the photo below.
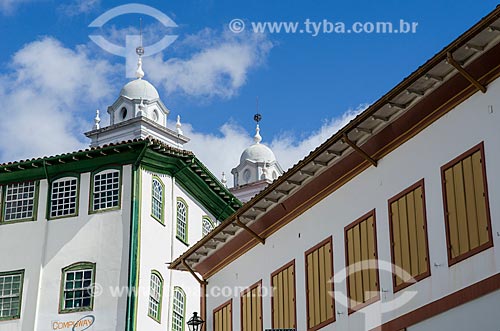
(159, 246)
(43, 248)
(421, 157)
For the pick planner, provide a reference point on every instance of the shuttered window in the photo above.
(223, 317)
(466, 205)
(319, 285)
(408, 228)
(361, 255)
(251, 308)
(283, 299)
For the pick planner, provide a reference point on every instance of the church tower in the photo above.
(258, 168)
(137, 113)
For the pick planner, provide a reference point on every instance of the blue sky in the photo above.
(53, 77)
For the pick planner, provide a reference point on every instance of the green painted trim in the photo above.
(49, 195)
(35, 204)
(178, 288)
(75, 162)
(134, 251)
(184, 240)
(91, 194)
(74, 267)
(161, 220)
(14, 273)
(157, 273)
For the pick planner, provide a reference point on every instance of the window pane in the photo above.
(181, 221)
(19, 201)
(178, 309)
(76, 289)
(106, 189)
(63, 197)
(10, 292)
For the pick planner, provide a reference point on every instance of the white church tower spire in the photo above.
(258, 168)
(138, 113)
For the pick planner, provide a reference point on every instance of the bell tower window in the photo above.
(123, 113)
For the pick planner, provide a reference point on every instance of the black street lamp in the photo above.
(195, 322)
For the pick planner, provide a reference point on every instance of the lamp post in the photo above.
(195, 322)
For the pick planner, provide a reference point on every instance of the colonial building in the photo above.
(86, 236)
(257, 169)
(391, 224)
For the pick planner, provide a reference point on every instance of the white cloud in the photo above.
(43, 97)
(220, 153)
(289, 150)
(8, 6)
(77, 7)
(218, 68)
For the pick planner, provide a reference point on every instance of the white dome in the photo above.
(257, 153)
(138, 89)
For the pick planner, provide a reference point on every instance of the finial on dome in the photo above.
(257, 118)
(139, 73)
(178, 125)
(97, 120)
(223, 180)
(257, 138)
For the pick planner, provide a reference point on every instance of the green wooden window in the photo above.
(64, 197)
(182, 220)
(11, 289)
(19, 201)
(178, 309)
(106, 190)
(207, 225)
(155, 295)
(77, 287)
(157, 198)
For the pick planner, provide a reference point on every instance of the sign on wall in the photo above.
(79, 324)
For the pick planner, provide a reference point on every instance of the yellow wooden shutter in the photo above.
(283, 301)
(319, 273)
(223, 318)
(361, 248)
(408, 235)
(466, 205)
(251, 308)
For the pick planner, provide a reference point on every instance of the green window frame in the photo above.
(77, 284)
(207, 225)
(63, 196)
(105, 190)
(155, 295)
(158, 199)
(19, 202)
(178, 309)
(11, 294)
(182, 220)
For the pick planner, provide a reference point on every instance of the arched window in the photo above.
(178, 309)
(157, 200)
(77, 286)
(155, 295)
(106, 190)
(182, 214)
(207, 225)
